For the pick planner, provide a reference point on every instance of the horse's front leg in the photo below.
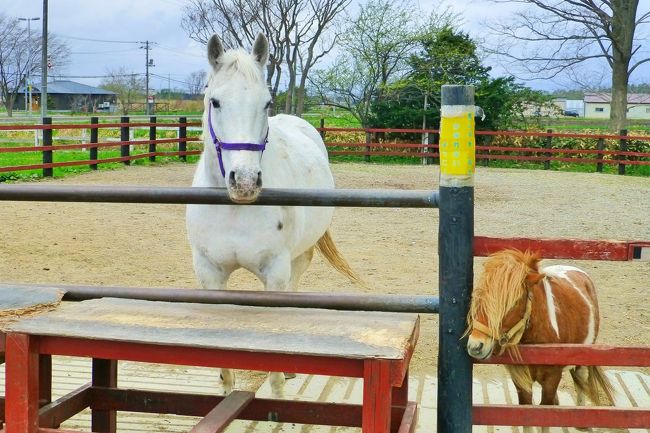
(550, 382)
(525, 396)
(276, 275)
(213, 276)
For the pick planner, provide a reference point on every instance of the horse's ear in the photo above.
(533, 260)
(215, 50)
(261, 49)
(533, 278)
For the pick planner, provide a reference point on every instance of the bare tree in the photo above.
(557, 36)
(20, 56)
(300, 33)
(128, 86)
(196, 82)
(237, 22)
(374, 52)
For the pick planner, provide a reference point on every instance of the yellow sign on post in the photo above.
(457, 144)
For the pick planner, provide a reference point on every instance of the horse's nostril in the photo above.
(232, 177)
(479, 347)
(259, 179)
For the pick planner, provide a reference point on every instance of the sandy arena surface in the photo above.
(394, 250)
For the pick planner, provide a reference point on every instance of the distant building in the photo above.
(598, 105)
(70, 96)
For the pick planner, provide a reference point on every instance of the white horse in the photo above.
(242, 147)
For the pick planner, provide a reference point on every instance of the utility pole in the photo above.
(44, 63)
(148, 63)
(29, 59)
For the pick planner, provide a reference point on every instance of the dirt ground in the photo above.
(394, 250)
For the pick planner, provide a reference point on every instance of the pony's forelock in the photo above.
(501, 286)
(241, 62)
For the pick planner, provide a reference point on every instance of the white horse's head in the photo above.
(236, 115)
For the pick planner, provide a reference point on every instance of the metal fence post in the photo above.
(47, 154)
(455, 234)
(548, 145)
(623, 148)
(124, 138)
(600, 146)
(152, 136)
(94, 138)
(182, 137)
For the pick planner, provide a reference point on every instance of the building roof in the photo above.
(70, 88)
(606, 98)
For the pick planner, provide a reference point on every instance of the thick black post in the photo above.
(152, 136)
(548, 145)
(600, 146)
(124, 138)
(94, 139)
(47, 154)
(182, 136)
(322, 127)
(455, 241)
(368, 141)
(623, 148)
(104, 374)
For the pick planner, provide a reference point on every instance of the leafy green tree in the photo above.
(448, 56)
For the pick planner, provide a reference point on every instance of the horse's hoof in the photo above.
(289, 375)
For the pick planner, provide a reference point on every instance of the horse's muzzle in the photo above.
(244, 186)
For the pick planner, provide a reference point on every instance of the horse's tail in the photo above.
(327, 248)
(598, 386)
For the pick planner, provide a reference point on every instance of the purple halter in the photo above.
(220, 145)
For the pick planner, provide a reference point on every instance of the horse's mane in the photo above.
(501, 285)
(241, 62)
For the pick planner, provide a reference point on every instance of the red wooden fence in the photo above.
(368, 148)
(47, 148)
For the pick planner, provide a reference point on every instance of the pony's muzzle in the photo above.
(479, 349)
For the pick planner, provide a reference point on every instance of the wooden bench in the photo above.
(374, 346)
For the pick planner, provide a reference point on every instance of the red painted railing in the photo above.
(429, 152)
(150, 152)
(546, 154)
(550, 416)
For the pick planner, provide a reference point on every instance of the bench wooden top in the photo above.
(344, 334)
(15, 302)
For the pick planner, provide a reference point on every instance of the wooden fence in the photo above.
(545, 153)
(146, 149)
(366, 143)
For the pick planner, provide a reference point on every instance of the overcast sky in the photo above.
(175, 54)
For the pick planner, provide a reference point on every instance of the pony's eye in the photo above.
(215, 103)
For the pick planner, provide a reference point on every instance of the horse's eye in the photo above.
(215, 103)
(268, 105)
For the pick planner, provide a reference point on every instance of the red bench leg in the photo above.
(376, 397)
(104, 373)
(21, 387)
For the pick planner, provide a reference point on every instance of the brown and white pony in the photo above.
(516, 302)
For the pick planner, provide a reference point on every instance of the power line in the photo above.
(98, 76)
(170, 79)
(98, 40)
(177, 51)
(105, 52)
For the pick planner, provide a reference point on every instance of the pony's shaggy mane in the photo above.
(241, 62)
(501, 286)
